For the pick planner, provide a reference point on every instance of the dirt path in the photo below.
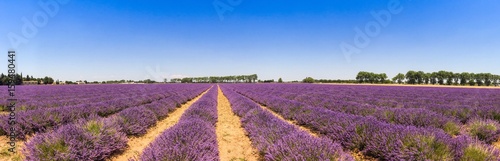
(358, 156)
(137, 144)
(231, 137)
(4, 149)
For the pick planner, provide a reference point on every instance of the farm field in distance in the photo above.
(244, 121)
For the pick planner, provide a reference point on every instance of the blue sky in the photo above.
(132, 39)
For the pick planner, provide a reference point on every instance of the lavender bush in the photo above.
(484, 129)
(136, 120)
(93, 139)
(466, 148)
(192, 139)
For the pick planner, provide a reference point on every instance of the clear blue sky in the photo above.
(125, 39)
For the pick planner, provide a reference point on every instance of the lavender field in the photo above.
(281, 122)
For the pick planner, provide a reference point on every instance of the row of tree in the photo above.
(447, 78)
(4, 79)
(312, 80)
(19, 79)
(216, 79)
(370, 77)
(334, 81)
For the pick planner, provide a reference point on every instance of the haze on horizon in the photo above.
(126, 39)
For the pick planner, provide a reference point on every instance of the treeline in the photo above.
(447, 78)
(19, 78)
(217, 79)
(334, 81)
(312, 80)
(370, 77)
(4, 79)
(148, 81)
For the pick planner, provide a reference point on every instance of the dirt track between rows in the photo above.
(233, 142)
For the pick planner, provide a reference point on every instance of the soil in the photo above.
(233, 142)
(497, 144)
(358, 156)
(4, 149)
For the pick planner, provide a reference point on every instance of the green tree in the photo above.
(488, 78)
(433, 78)
(464, 77)
(280, 80)
(450, 76)
(308, 80)
(383, 77)
(420, 77)
(362, 76)
(48, 80)
(472, 79)
(399, 78)
(427, 78)
(441, 77)
(479, 79)
(411, 76)
(496, 79)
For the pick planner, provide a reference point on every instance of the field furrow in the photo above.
(233, 143)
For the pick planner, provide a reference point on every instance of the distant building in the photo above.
(60, 83)
(31, 82)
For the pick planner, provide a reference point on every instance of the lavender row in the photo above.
(192, 138)
(463, 104)
(96, 138)
(478, 125)
(34, 97)
(412, 97)
(404, 116)
(372, 137)
(61, 96)
(278, 140)
(41, 120)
